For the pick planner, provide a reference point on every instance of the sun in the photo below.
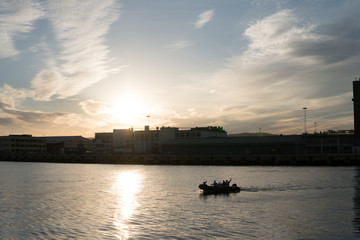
(128, 109)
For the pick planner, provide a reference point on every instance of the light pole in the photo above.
(315, 126)
(305, 119)
(148, 117)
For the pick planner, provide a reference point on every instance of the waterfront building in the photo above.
(69, 145)
(104, 142)
(329, 143)
(150, 141)
(24, 143)
(214, 140)
(244, 145)
(142, 141)
(333, 142)
(356, 102)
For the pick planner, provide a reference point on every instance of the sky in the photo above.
(77, 67)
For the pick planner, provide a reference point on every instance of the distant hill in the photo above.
(251, 134)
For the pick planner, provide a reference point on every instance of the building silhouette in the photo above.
(25, 144)
(356, 102)
(210, 140)
(150, 141)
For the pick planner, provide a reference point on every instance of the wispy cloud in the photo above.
(180, 44)
(273, 35)
(26, 121)
(287, 65)
(204, 18)
(287, 62)
(93, 107)
(16, 17)
(80, 29)
(12, 96)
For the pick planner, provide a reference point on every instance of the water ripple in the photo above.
(162, 202)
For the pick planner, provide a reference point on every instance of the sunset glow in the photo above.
(76, 67)
(128, 110)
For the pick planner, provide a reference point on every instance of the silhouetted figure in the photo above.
(214, 183)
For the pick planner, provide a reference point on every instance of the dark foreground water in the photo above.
(65, 201)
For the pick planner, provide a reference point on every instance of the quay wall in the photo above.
(221, 160)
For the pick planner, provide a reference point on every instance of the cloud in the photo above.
(15, 121)
(337, 42)
(273, 35)
(288, 64)
(10, 99)
(93, 107)
(7, 121)
(288, 55)
(46, 83)
(32, 116)
(11, 96)
(80, 29)
(16, 17)
(204, 18)
(180, 44)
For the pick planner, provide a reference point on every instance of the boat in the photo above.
(219, 188)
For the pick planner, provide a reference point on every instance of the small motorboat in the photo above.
(219, 188)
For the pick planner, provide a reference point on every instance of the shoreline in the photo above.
(216, 160)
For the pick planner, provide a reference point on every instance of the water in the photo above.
(94, 201)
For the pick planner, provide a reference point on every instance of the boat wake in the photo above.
(286, 188)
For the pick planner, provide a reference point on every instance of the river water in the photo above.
(94, 201)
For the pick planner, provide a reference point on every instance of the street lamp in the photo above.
(148, 117)
(305, 119)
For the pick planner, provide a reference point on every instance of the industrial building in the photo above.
(68, 145)
(104, 142)
(236, 145)
(24, 143)
(150, 141)
(162, 144)
(356, 102)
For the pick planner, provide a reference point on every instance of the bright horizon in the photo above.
(79, 67)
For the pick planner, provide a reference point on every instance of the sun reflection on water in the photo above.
(126, 186)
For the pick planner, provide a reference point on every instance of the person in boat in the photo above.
(204, 183)
(226, 183)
